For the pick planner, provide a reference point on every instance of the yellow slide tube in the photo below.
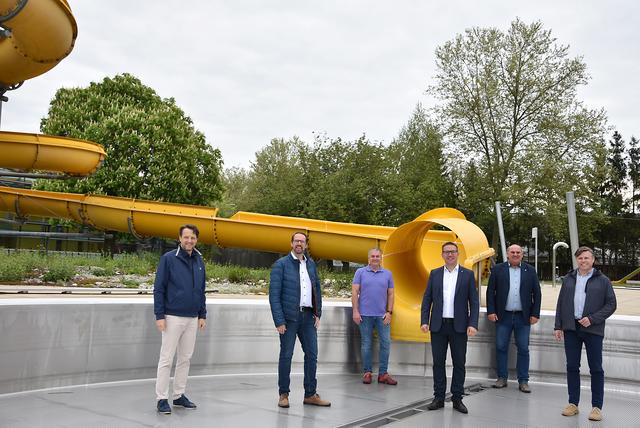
(411, 250)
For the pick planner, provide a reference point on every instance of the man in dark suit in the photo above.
(450, 309)
(513, 303)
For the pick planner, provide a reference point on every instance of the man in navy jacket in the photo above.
(180, 308)
(296, 306)
(513, 303)
(585, 301)
(450, 309)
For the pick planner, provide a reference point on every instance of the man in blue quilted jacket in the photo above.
(296, 306)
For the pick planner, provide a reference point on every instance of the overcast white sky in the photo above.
(249, 71)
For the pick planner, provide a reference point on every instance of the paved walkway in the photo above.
(250, 401)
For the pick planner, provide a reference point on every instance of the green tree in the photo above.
(236, 191)
(153, 150)
(347, 181)
(421, 180)
(275, 180)
(613, 188)
(509, 105)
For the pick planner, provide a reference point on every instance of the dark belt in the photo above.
(514, 312)
(447, 320)
(306, 308)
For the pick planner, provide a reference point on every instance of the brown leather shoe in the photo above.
(385, 378)
(500, 383)
(284, 401)
(366, 378)
(315, 400)
(524, 387)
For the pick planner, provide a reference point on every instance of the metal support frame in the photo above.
(573, 227)
(3, 97)
(503, 244)
(8, 173)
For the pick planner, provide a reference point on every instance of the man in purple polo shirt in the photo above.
(372, 300)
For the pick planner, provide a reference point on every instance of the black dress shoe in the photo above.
(459, 406)
(435, 404)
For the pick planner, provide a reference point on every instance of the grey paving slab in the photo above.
(250, 401)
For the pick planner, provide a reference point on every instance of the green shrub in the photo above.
(59, 269)
(130, 283)
(238, 274)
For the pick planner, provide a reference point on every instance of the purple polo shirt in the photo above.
(373, 290)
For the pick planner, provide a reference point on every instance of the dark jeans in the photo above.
(384, 337)
(513, 322)
(457, 342)
(573, 341)
(305, 330)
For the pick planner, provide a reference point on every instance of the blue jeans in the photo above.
(306, 332)
(513, 322)
(573, 341)
(384, 337)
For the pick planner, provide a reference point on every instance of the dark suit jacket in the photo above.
(466, 305)
(498, 291)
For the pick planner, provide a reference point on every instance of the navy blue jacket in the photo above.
(466, 305)
(179, 286)
(498, 291)
(599, 304)
(284, 289)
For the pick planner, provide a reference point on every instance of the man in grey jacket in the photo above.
(586, 300)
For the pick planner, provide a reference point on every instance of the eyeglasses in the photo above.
(449, 252)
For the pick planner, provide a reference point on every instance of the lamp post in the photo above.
(553, 260)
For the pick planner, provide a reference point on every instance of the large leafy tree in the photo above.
(508, 101)
(153, 150)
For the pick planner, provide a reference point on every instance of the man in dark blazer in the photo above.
(450, 309)
(513, 303)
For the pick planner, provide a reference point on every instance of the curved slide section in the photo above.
(29, 152)
(42, 32)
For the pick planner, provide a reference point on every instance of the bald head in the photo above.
(514, 255)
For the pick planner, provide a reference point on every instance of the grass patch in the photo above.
(23, 265)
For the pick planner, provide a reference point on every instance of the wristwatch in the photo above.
(390, 312)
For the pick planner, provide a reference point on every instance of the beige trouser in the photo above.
(180, 335)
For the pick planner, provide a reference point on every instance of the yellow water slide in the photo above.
(410, 251)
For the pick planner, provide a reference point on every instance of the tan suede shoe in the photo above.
(315, 400)
(596, 414)
(570, 410)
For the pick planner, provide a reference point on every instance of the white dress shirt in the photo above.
(580, 293)
(449, 280)
(305, 283)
